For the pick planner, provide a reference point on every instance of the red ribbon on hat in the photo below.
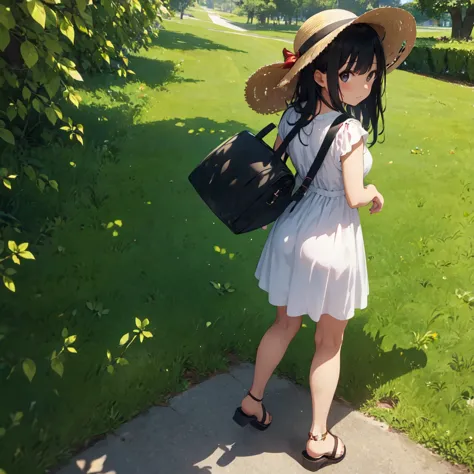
(290, 58)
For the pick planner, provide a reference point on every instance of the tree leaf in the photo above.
(7, 183)
(22, 247)
(52, 44)
(11, 112)
(10, 271)
(208, 324)
(79, 139)
(13, 247)
(115, 233)
(145, 323)
(58, 111)
(110, 225)
(122, 361)
(52, 86)
(142, 337)
(217, 249)
(75, 75)
(54, 184)
(7, 136)
(37, 105)
(51, 114)
(89, 305)
(4, 37)
(30, 172)
(51, 17)
(72, 349)
(29, 53)
(73, 99)
(29, 369)
(36, 9)
(70, 340)
(6, 17)
(81, 26)
(124, 339)
(147, 334)
(67, 29)
(109, 356)
(17, 417)
(27, 255)
(81, 5)
(110, 369)
(118, 222)
(138, 323)
(64, 333)
(57, 366)
(16, 259)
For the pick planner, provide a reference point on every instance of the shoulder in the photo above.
(287, 121)
(350, 133)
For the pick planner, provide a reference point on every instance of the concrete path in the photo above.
(221, 22)
(196, 434)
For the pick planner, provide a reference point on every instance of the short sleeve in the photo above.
(349, 134)
(284, 126)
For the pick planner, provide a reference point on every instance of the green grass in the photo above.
(186, 98)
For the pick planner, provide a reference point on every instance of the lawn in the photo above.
(142, 140)
(289, 31)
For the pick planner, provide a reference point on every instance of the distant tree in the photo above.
(461, 11)
(180, 5)
(415, 10)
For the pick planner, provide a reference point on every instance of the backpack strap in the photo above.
(318, 161)
(292, 134)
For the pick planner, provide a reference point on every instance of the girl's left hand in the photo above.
(377, 204)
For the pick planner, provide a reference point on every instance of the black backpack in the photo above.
(245, 182)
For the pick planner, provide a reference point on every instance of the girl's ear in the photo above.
(321, 79)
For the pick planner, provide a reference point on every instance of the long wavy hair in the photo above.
(357, 46)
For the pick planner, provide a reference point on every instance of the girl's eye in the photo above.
(345, 76)
(371, 76)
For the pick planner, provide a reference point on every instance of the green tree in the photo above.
(461, 12)
(180, 6)
(415, 10)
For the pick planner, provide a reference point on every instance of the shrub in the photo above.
(45, 48)
(438, 60)
(452, 59)
(470, 66)
(457, 60)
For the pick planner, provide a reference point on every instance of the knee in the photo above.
(330, 340)
(289, 325)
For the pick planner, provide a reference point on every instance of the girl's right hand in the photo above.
(377, 202)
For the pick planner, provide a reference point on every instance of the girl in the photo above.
(314, 260)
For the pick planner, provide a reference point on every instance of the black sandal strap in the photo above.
(264, 416)
(254, 398)
(336, 445)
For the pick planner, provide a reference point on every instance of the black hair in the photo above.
(357, 45)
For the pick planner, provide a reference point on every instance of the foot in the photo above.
(252, 408)
(325, 447)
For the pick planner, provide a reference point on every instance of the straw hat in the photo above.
(269, 88)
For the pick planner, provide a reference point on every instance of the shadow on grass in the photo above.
(152, 72)
(188, 41)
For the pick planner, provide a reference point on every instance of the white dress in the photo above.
(314, 259)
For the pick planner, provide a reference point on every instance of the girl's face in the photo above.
(354, 87)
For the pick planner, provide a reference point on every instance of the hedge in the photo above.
(450, 59)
